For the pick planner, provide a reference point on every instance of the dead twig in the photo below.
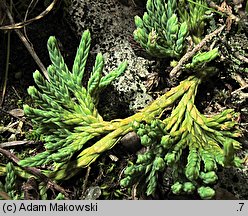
(4, 195)
(32, 4)
(25, 42)
(176, 71)
(22, 24)
(224, 9)
(240, 57)
(36, 172)
(238, 79)
(239, 89)
(16, 143)
(86, 180)
(6, 66)
(17, 94)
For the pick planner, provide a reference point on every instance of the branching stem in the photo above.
(36, 172)
(176, 71)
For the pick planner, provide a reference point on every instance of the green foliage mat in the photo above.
(66, 119)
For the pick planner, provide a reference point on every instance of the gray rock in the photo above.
(112, 24)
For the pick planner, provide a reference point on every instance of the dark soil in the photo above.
(22, 65)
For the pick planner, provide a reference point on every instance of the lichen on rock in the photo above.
(111, 24)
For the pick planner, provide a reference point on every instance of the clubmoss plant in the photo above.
(207, 142)
(191, 144)
(8, 190)
(188, 143)
(163, 29)
(159, 31)
(67, 118)
(66, 109)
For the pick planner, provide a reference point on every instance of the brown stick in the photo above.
(239, 89)
(241, 58)
(36, 172)
(86, 180)
(176, 70)
(22, 24)
(25, 42)
(16, 143)
(224, 10)
(4, 195)
(238, 79)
